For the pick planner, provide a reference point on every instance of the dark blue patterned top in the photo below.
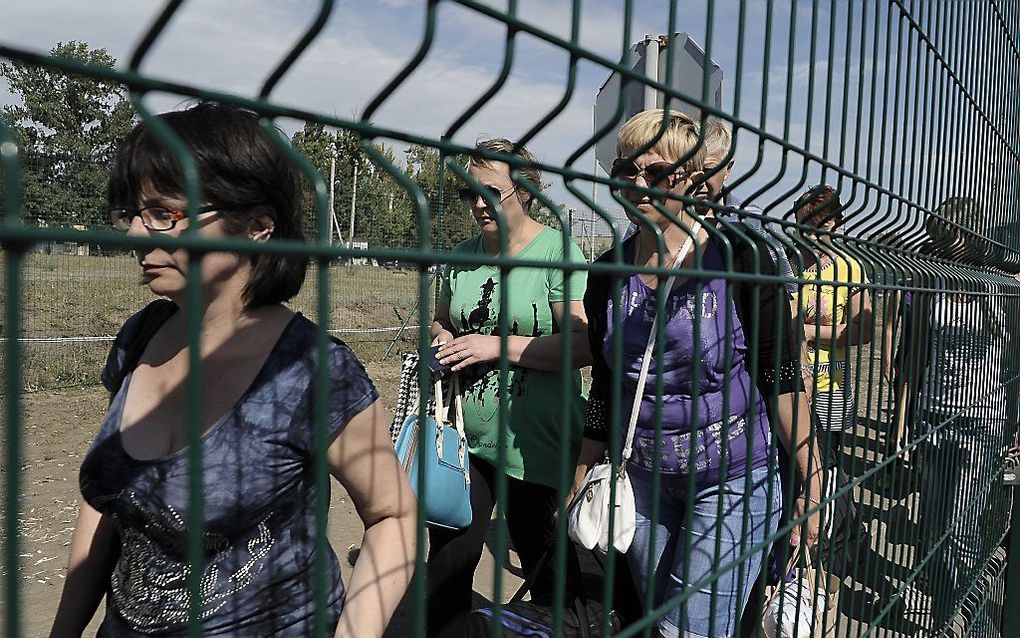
(259, 492)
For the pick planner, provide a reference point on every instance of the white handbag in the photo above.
(805, 608)
(588, 512)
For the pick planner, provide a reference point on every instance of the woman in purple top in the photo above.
(730, 368)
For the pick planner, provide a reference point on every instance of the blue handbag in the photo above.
(447, 489)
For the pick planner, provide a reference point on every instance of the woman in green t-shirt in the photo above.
(542, 310)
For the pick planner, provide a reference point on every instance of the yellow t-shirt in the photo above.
(825, 303)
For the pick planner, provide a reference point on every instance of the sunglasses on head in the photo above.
(469, 195)
(654, 174)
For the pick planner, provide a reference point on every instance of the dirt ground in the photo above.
(59, 425)
(58, 429)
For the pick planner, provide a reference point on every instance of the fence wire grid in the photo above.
(911, 113)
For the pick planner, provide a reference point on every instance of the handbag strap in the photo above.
(437, 400)
(458, 405)
(456, 402)
(579, 597)
(679, 257)
(530, 579)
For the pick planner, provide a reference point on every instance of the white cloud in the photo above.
(231, 46)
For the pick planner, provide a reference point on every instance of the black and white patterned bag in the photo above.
(407, 393)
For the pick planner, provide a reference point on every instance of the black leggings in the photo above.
(454, 555)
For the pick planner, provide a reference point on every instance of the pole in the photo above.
(354, 202)
(332, 194)
(594, 185)
(651, 71)
(1011, 596)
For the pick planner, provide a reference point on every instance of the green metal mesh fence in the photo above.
(909, 109)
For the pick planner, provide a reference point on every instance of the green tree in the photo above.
(380, 205)
(451, 220)
(541, 213)
(68, 127)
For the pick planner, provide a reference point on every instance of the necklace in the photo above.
(679, 256)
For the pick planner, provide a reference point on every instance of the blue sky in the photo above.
(233, 45)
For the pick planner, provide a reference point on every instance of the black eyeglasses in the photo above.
(654, 174)
(157, 218)
(469, 195)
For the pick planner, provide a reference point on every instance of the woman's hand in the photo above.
(591, 452)
(810, 527)
(468, 350)
(442, 337)
(888, 370)
(579, 473)
(441, 326)
(807, 375)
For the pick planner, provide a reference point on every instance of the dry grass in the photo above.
(72, 297)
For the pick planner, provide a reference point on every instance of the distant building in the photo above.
(77, 249)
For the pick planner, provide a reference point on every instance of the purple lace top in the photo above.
(713, 417)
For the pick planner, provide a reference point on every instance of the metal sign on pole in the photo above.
(650, 57)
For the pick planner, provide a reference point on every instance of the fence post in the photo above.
(1011, 597)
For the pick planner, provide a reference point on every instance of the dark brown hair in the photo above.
(818, 205)
(237, 165)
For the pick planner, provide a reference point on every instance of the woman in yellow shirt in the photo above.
(836, 311)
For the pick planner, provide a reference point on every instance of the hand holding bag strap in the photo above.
(679, 257)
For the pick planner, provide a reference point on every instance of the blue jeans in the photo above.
(714, 540)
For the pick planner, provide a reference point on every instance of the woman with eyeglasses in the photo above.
(729, 374)
(541, 314)
(259, 442)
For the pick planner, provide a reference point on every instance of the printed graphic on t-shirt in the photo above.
(679, 306)
(479, 304)
(481, 382)
(480, 320)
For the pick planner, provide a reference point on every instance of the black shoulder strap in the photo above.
(530, 579)
(150, 320)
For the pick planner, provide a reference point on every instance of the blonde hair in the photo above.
(718, 138)
(679, 137)
(528, 172)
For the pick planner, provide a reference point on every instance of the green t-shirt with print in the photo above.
(534, 397)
